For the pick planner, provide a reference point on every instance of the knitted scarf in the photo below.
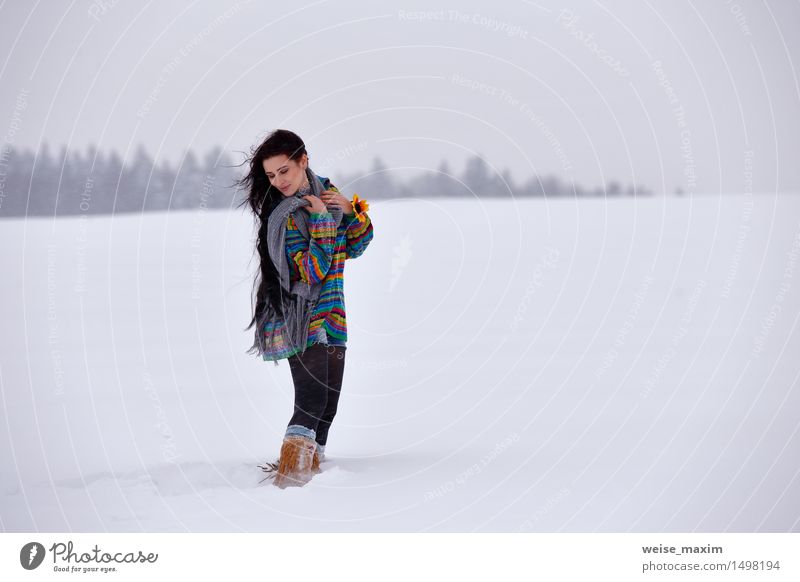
(289, 332)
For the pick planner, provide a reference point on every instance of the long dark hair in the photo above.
(262, 199)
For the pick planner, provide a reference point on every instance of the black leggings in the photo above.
(317, 374)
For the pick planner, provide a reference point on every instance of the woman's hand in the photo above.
(331, 198)
(315, 204)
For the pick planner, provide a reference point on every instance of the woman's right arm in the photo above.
(311, 258)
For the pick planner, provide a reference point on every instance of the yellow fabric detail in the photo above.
(298, 259)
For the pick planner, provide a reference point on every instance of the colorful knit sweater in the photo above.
(322, 259)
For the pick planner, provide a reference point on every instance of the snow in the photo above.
(530, 365)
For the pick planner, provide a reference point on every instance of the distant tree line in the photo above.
(71, 182)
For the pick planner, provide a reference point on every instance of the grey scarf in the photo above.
(292, 329)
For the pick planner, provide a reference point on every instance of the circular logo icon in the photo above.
(31, 555)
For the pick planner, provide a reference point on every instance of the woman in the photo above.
(307, 229)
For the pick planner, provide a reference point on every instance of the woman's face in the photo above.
(286, 175)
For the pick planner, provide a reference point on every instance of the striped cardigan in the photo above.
(322, 259)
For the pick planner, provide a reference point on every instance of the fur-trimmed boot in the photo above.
(319, 456)
(296, 459)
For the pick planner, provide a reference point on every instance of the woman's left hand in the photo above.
(331, 198)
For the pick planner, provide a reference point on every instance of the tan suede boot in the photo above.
(296, 459)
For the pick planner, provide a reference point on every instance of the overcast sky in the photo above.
(703, 96)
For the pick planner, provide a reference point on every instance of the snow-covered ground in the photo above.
(539, 365)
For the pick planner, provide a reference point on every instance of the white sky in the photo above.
(360, 80)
